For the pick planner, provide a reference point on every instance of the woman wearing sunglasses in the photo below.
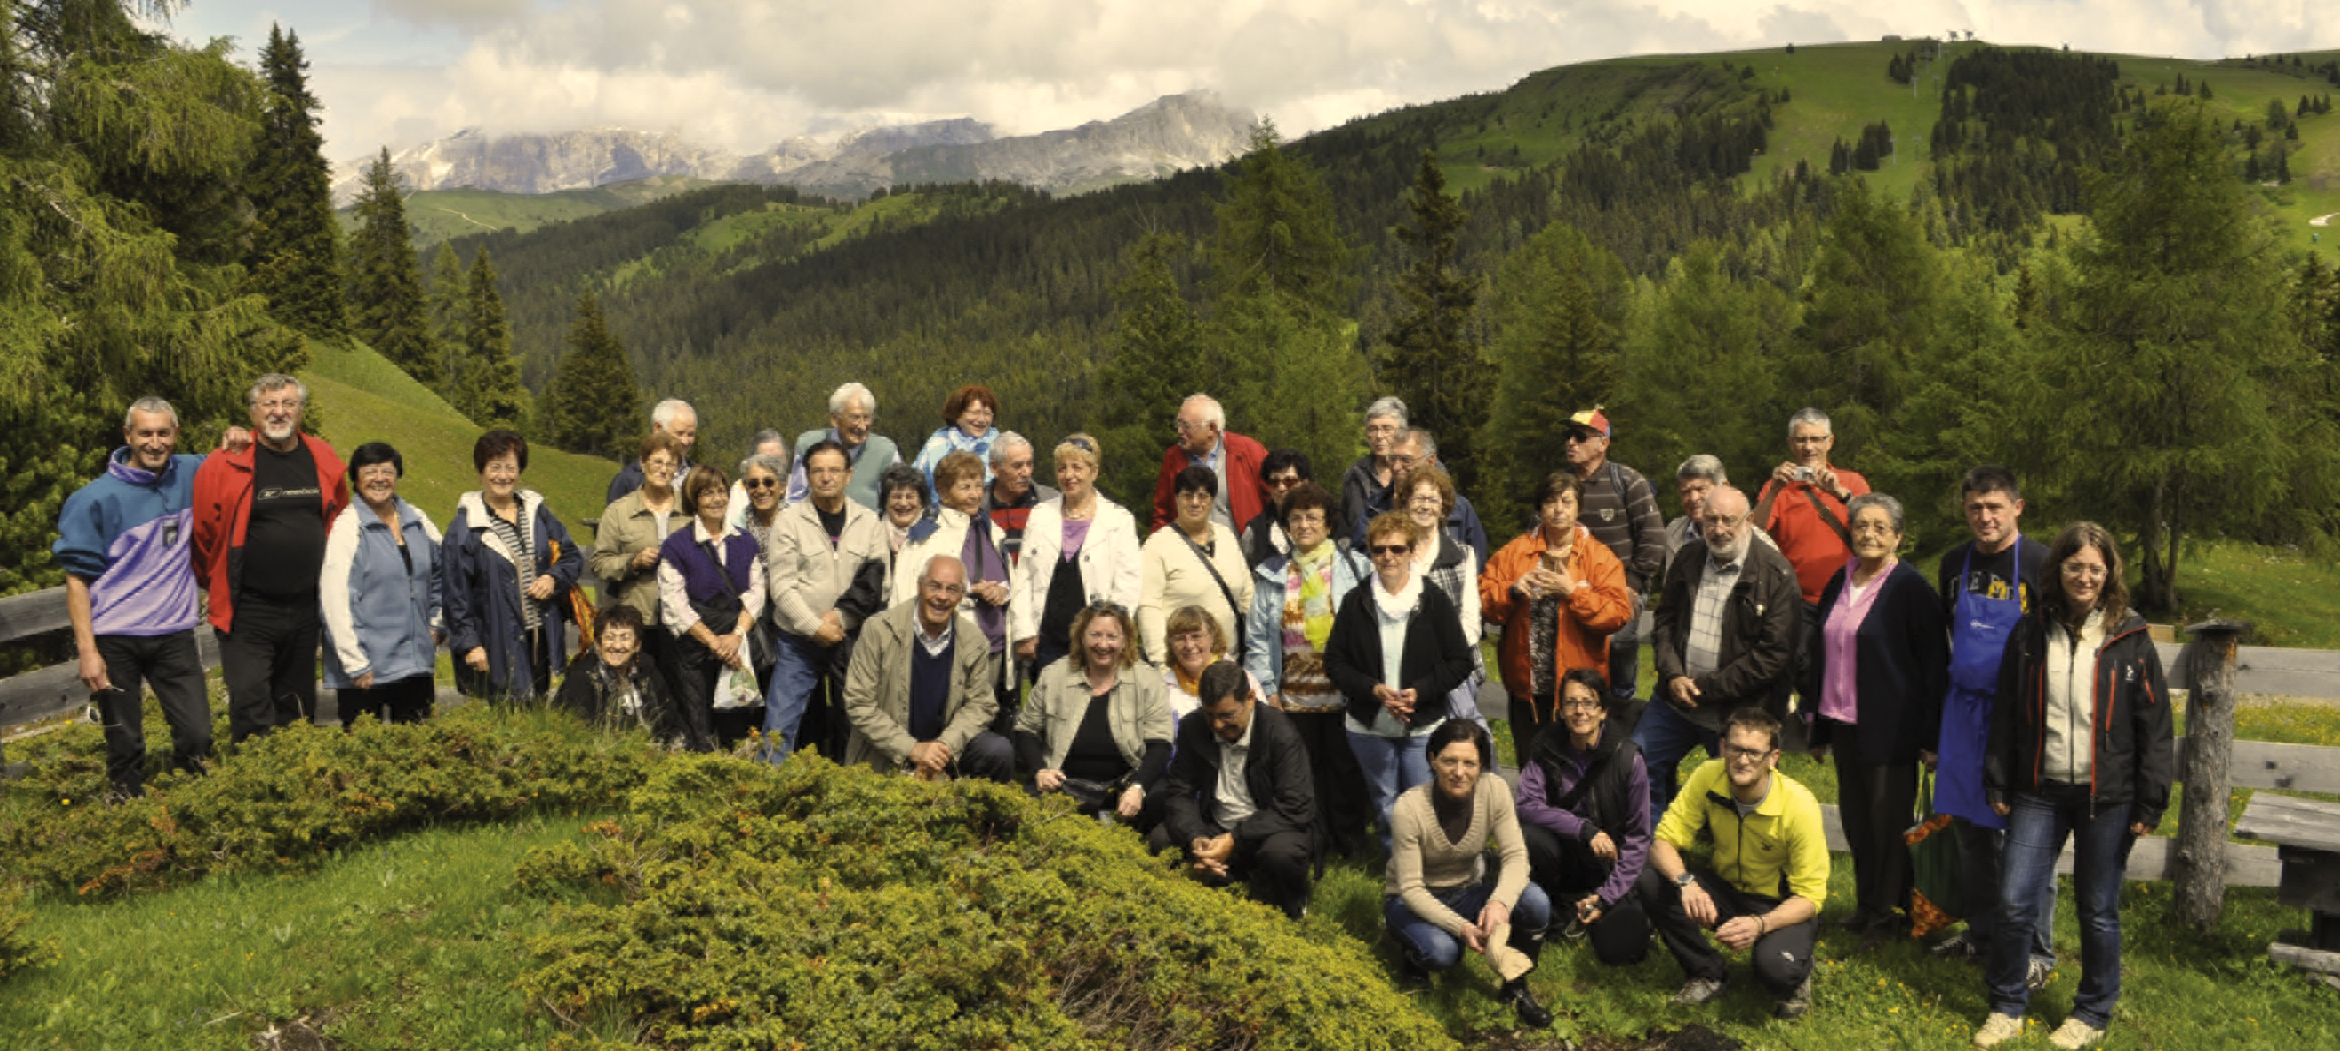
(1397, 650)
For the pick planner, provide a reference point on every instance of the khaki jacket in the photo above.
(877, 689)
(805, 575)
(1136, 710)
(628, 528)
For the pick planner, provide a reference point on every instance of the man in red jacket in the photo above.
(1203, 438)
(1803, 505)
(260, 518)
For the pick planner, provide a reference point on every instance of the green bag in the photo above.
(1937, 862)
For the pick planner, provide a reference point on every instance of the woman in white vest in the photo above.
(1080, 549)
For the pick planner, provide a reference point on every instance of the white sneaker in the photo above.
(2075, 1033)
(1998, 1029)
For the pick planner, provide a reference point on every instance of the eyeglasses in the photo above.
(1115, 608)
(1725, 521)
(2084, 571)
(1382, 550)
(761, 483)
(1580, 704)
(1581, 436)
(1185, 427)
(1735, 753)
(1283, 481)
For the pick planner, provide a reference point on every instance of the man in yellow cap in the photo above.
(1621, 510)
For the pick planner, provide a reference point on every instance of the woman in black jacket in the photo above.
(614, 687)
(1395, 700)
(2081, 746)
(1881, 662)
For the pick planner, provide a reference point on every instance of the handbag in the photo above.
(736, 688)
(581, 612)
(1937, 862)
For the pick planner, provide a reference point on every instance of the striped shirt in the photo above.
(1702, 651)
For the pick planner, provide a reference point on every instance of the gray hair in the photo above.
(149, 404)
(1388, 406)
(1704, 466)
(778, 465)
(1007, 442)
(1421, 436)
(1213, 412)
(765, 437)
(664, 412)
(1880, 501)
(1809, 416)
(848, 394)
(275, 381)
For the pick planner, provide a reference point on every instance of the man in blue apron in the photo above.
(1988, 584)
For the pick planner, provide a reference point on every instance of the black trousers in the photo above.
(1876, 803)
(696, 669)
(1343, 802)
(171, 665)
(1782, 959)
(1274, 869)
(1568, 870)
(406, 701)
(269, 661)
(1526, 725)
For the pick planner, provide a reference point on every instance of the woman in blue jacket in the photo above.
(506, 571)
(380, 592)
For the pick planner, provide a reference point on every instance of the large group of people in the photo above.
(1266, 676)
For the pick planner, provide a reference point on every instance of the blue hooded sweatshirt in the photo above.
(127, 534)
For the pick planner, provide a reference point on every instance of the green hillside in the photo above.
(438, 215)
(364, 399)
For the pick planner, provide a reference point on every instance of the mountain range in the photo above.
(1172, 133)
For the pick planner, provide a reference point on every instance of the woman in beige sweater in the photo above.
(1435, 905)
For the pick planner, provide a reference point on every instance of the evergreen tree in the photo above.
(295, 255)
(1701, 361)
(2190, 365)
(489, 380)
(597, 409)
(1156, 360)
(1867, 320)
(1276, 231)
(123, 162)
(1561, 305)
(449, 304)
(386, 294)
(1429, 357)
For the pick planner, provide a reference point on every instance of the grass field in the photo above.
(439, 215)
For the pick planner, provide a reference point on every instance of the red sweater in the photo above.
(223, 511)
(1245, 496)
(1809, 542)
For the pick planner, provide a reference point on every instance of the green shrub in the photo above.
(18, 952)
(823, 907)
(288, 800)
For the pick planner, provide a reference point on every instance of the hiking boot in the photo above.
(2040, 974)
(1698, 991)
(1797, 1002)
(1998, 1029)
(1574, 931)
(2075, 1033)
(1412, 977)
(1532, 1015)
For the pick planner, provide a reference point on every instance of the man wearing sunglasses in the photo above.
(1621, 510)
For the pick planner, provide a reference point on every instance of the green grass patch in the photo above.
(409, 943)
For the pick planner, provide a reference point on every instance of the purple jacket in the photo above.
(1554, 771)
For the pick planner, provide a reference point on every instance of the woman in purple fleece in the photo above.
(1584, 811)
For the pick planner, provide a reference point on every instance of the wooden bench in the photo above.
(2308, 831)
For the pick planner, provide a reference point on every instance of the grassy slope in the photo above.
(437, 215)
(365, 398)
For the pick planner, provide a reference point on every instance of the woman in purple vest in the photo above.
(710, 587)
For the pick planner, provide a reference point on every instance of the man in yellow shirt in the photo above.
(1769, 876)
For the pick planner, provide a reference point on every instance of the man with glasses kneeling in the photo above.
(1768, 877)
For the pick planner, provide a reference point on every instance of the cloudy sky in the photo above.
(746, 73)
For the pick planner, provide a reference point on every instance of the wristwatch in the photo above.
(1684, 880)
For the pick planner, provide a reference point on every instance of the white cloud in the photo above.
(746, 73)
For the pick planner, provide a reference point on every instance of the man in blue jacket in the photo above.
(130, 593)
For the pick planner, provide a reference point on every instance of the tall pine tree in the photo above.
(385, 284)
(1429, 357)
(1156, 346)
(596, 408)
(448, 301)
(490, 392)
(1561, 312)
(295, 257)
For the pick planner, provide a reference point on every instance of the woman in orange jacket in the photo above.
(1559, 594)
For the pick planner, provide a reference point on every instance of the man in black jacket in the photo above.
(1725, 637)
(1239, 798)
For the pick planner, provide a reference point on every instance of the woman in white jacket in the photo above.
(1080, 549)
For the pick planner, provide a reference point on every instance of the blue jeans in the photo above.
(1983, 871)
(1428, 944)
(1664, 737)
(2036, 831)
(1391, 765)
(797, 662)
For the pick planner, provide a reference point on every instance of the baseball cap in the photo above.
(1593, 420)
